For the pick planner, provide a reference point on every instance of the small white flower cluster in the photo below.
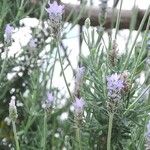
(8, 121)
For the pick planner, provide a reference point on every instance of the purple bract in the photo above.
(50, 98)
(79, 105)
(8, 32)
(55, 9)
(32, 43)
(114, 82)
(48, 102)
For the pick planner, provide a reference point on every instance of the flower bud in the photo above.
(47, 104)
(8, 33)
(79, 105)
(87, 23)
(78, 79)
(32, 43)
(103, 67)
(12, 110)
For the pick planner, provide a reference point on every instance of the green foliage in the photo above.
(30, 88)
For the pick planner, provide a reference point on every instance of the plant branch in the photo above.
(93, 13)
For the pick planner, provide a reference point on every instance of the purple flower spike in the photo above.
(55, 9)
(55, 12)
(80, 73)
(114, 85)
(8, 33)
(48, 102)
(79, 78)
(79, 105)
(50, 98)
(114, 82)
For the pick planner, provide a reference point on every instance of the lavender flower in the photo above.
(79, 105)
(12, 110)
(8, 33)
(48, 102)
(80, 73)
(55, 9)
(32, 43)
(114, 82)
(148, 137)
(113, 54)
(78, 78)
(55, 12)
(114, 86)
(125, 77)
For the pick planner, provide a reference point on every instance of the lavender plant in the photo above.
(105, 105)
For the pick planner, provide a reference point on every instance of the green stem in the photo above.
(134, 42)
(78, 138)
(104, 85)
(19, 10)
(141, 50)
(136, 100)
(4, 65)
(63, 72)
(43, 143)
(28, 124)
(15, 135)
(132, 25)
(118, 19)
(111, 115)
(52, 74)
(41, 16)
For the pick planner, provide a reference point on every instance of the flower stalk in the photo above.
(78, 139)
(47, 106)
(43, 144)
(79, 105)
(111, 115)
(15, 135)
(63, 73)
(13, 116)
